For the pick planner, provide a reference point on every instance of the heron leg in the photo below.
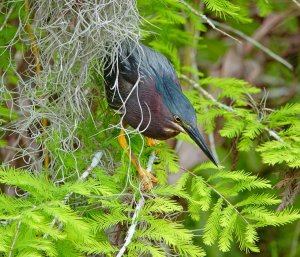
(151, 142)
(147, 178)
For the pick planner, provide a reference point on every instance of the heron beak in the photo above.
(198, 139)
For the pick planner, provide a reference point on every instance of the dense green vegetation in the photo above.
(238, 62)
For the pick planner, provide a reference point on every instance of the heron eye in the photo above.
(177, 119)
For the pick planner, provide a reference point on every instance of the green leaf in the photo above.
(212, 226)
(227, 221)
(259, 199)
(224, 7)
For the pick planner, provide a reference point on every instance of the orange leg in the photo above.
(147, 178)
(151, 142)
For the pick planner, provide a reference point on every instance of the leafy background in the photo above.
(238, 62)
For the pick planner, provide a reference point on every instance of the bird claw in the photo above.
(147, 179)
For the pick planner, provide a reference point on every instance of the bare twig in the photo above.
(208, 95)
(15, 239)
(256, 43)
(217, 25)
(7, 17)
(296, 2)
(132, 227)
(151, 160)
(291, 188)
(272, 133)
(137, 210)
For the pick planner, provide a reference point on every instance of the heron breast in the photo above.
(146, 112)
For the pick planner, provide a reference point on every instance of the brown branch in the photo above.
(235, 153)
(291, 188)
(217, 25)
(257, 44)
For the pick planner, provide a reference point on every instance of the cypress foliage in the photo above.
(58, 212)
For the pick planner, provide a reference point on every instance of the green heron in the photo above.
(144, 87)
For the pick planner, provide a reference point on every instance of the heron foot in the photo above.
(151, 142)
(147, 178)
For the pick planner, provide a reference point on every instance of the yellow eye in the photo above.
(177, 119)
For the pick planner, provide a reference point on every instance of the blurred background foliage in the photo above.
(245, 89)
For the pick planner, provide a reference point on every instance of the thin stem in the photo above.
(132, 227)
(197, 86)
(34, 47)
(216, 24)
(15, 239)
(7, 17)
(207, 20)
(256, 43)
(151, 160)
(219, 194)
(296, 2)
(208, 95)
(137, 210)
(294, 244)
(274, 135)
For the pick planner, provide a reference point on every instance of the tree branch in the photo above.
(137, 210)
(296, 2)
(132, 227)
(208, 95)
(272, 133)
(15, 239)
(215, 24)
(257, 44)
(207, 20)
